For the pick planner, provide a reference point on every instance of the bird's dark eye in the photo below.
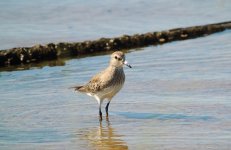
(118, 58)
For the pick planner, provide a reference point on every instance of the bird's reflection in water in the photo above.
(104, 137)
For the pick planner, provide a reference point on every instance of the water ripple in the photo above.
(135, 115)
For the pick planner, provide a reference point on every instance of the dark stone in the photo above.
(38, 52)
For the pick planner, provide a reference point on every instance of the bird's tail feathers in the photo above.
(78, 88)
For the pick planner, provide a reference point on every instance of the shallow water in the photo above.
(176, 96)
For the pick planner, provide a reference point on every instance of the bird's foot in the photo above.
(107, 118)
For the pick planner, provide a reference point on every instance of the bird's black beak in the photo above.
(126, 63)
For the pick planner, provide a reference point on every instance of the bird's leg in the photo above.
(100, 113)
(106, 108)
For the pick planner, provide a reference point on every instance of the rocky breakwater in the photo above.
(23, 55)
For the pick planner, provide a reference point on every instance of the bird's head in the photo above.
(118, 59)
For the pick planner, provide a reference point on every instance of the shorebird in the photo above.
(106, 84)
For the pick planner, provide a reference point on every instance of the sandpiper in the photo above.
(107, 83)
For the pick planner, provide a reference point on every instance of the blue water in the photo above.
(136, 115)
(30, 22)
(176, 96)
